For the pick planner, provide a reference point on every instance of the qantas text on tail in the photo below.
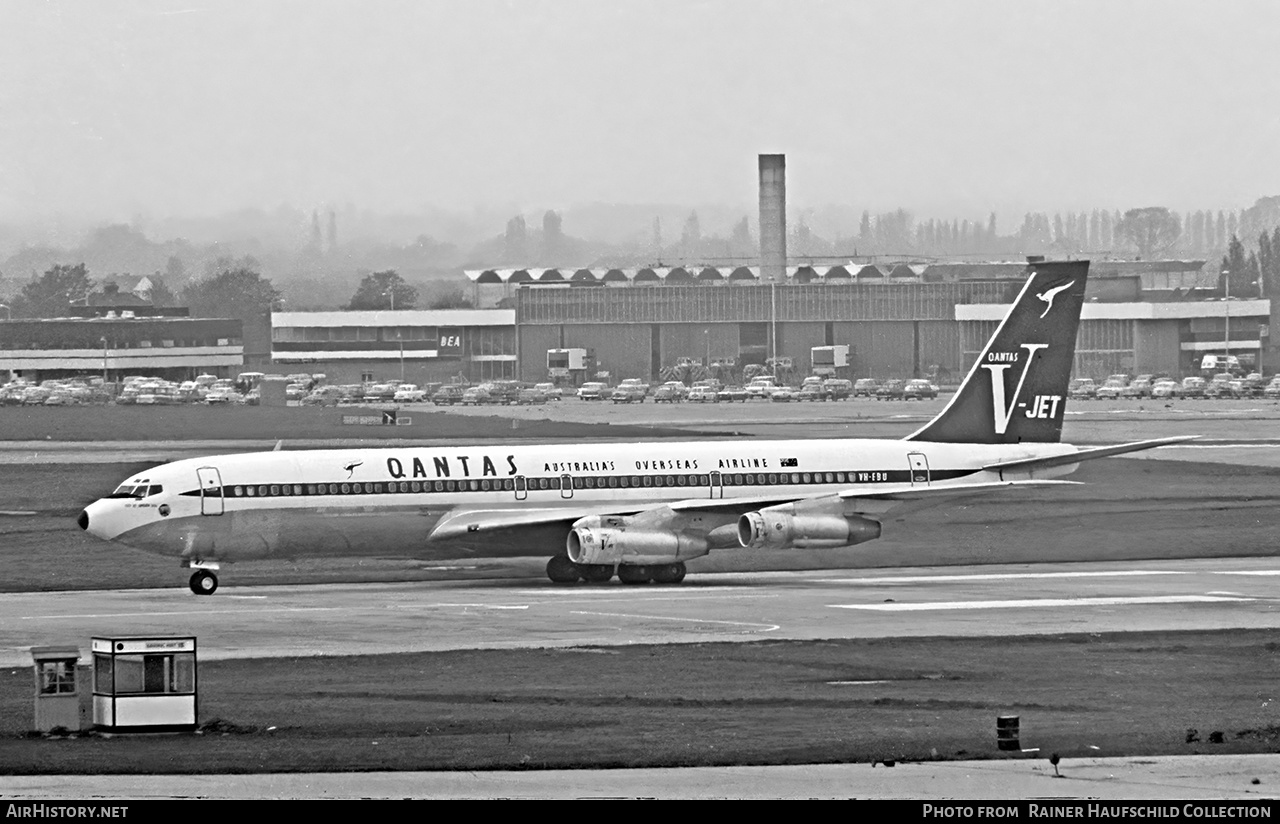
(635, 510)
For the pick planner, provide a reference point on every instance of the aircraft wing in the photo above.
(465, 523)
(1085, 454)
(468, 522)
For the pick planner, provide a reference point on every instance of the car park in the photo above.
(919, 389)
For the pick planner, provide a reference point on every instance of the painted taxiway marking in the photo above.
(1046, 602)
(1002, 576)
(765, 627)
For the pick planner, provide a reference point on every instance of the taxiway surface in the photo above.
(360, 619)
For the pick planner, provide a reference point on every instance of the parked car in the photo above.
(702, 394)
(1272, 390)
(761, 387)
(810, 392)
(784, 394)
(475, 396)
(1166, 389)
(1110, 390)
(550, 390)
(1224, 385)
(919, 389)
(1082, 389)
(666, 394)
(635, 383)
(628, 393)
(837, 389)
(865, 387)
(409, 393)
(529, 396)
(734, 393)
(1139, 387)
(593, 391)
(448, 395)
(890, 390)
(1194, 387)
(678, 388)
(323, 396)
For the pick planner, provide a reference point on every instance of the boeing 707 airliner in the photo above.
(636, 510)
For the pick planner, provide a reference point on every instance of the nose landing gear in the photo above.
(204, 581)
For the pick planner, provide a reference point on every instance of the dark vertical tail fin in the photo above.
(1017, 389)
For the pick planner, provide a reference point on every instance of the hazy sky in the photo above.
(193, 107)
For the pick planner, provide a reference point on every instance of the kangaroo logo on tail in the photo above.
(1016, 385)
(1049, 294)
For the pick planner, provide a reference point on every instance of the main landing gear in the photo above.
(563, 571)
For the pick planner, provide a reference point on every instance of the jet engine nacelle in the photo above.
(783, 528)
(610, 540)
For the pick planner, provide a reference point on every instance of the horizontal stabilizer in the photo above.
(1085, 454)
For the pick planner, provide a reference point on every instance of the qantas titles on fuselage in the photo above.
(492, 466)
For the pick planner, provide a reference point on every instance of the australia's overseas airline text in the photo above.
(490, 466)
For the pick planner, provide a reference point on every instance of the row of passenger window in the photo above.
(532, 484)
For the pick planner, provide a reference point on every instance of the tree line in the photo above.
(233, 288)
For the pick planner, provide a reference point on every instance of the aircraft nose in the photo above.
(83, 520)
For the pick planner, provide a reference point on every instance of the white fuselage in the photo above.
(405, 501)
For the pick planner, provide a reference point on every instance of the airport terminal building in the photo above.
(119, 344)
(899, 320)
(414, 346)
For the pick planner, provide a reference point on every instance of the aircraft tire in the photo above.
(669, 573)
(562, 571)
(204, 582)
(634, 574)
(595, 573)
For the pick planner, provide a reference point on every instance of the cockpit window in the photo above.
(137, 491)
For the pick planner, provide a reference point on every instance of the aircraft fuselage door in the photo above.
(211, 502)
(522, 488)
(717, 485)
(919, 468)
(566, 486)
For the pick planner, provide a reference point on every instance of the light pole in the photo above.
(400, 337)
(391, 293)
(104, 359)
(706, 338)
